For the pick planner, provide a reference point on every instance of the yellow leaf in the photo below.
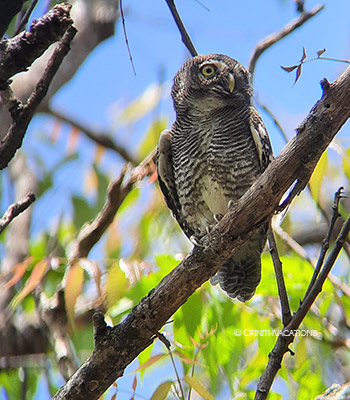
(56, 129)
(141, 106)
(91, 181)
(35, 277)
(19, 271)
(199, 388)
(346, 163)
(74, 285)
(72, 140)
(318, 175)
(100, 150)
(152, 360)
(116, 286)
(151, 137)
(162, 391)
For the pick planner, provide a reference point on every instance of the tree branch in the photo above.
(8, 10)
(100, 138)
(277, 36)
(22, 114)
(119, 345)
(15, 209)
(282, 291)
(186, 40)
(287, 337)
(117, 191)
(325, 243)
(18, 53)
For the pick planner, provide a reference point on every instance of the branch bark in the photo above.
(22, 113)
(119, 345)
(18, 54)
(15, 209)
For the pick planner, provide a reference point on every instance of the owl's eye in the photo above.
(208, 70)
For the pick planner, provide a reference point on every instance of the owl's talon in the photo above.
(230, 204)
(196, 242)
(218, 217)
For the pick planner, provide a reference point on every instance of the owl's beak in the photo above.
(231, 82)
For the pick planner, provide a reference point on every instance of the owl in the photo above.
(217, 147)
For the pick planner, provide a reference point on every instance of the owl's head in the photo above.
(211, 81)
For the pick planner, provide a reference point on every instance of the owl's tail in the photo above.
(241, 274)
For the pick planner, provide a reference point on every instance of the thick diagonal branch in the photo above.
(119, 345)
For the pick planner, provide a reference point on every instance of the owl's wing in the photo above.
(167, 181)
(261, 139)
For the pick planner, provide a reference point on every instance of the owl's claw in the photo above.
(196, 242)
(230, 204)
(218, 217)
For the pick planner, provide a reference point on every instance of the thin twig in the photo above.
(98, 137)
(167, 344)
(274, 119)
(15, 209)
(282, 291)
(325, 243)
(298, 249)
(126, 36)
(287, 336)
(275, 37)
(184, 35)
(25, 18)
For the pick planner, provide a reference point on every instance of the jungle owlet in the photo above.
(215, 150)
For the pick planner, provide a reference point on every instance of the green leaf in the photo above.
(317, 177)
(148, 100)
(73, 288)
(116, 286)
(129, 200)
(191, 313)
(199, 388)
(162, 391)
(346, 163)
(151, 138)
(82, 212)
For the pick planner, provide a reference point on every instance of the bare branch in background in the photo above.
(18, 53)
(287, 337)
(117, 191)
(22, 113)
(15, 209)
(8, 10)
(282, 290)
(275, 37)
(184, 35)
(325, 243)
(101, 138)
(54, 318)
(25, 18)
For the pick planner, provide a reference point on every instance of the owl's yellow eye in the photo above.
(208, 70)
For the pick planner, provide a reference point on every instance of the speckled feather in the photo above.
(215, 150)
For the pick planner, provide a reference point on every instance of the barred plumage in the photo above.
(215, 150)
